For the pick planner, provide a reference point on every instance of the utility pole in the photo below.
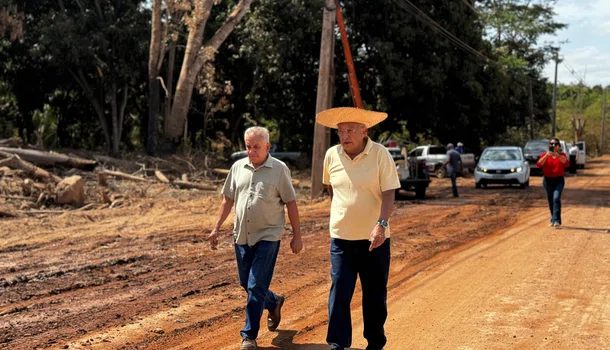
(531, 103)
(603, 141)
(324, 101)
(555, 51)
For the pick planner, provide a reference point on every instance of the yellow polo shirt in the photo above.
(357, 189)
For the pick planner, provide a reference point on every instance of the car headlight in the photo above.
(481, 169)
(519, 169)
(516, 170)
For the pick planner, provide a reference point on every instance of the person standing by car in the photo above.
(453, 163)
(553, 164)
(460, 148)
(573, 158)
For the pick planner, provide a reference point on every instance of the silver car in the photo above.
(502, 165)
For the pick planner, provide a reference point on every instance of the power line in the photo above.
(574, 73)
(422, 17)
(471, 6)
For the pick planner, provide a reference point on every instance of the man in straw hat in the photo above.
(361, 178)
(259, 186)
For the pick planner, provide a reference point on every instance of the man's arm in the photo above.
(293, 214)
(387, 203)
(330, 192)
(223, 212)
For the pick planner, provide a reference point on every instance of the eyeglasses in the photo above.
(553, 144)
(346, 132)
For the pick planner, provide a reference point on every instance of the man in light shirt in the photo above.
(259, 187)
(361, 178)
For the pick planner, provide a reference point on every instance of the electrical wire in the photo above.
(425, 19)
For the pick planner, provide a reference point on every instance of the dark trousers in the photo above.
(573, 164)
(554, 187)
(453, 175)
(350, 259)
(255, 269)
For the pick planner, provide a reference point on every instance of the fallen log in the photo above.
(118, 163)
(51, 159)
(12, 142)
(189, 185)
(13, 162)
(124, 176)
(220, 172)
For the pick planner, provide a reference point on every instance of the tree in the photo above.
(197, 54)
(100, 47)
(515, 27)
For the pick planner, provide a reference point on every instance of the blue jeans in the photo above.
(453, 175)
(255, 268)
(348, 260)
(554, 187)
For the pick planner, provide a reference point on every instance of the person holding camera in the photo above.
(553, 164)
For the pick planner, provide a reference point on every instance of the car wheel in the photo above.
(420, 193)
(441, 172)
(477, 185)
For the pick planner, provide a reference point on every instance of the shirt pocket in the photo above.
(266, 191)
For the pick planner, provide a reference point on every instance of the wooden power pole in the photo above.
(602, 144)
(324, 101)
(531, 103)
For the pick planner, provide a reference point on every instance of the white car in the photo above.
(502, 165)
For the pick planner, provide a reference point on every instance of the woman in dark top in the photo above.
(553, 164)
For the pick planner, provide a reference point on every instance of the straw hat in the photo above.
(335, 116)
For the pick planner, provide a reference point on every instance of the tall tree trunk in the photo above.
(195, 57)
(97, 106)
(169, 81)
(122, 109)
(153, 84)
(116, 137)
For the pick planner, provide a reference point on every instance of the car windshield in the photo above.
(501, 154)
(537, 145)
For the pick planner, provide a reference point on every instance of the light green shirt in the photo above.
(259, 195)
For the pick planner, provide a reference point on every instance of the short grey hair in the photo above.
(257, 131)
(449, 146)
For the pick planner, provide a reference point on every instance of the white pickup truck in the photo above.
(436, 156)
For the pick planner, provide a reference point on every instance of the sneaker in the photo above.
(275, 316)
(335, 347)
(248, 344)
(557, 224)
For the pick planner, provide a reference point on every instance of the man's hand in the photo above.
(377, 237)
(296, 244)
(213, 238)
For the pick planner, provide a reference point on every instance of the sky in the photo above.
(588, 47)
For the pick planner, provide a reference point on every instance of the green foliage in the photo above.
(45, 122)
(578, 101)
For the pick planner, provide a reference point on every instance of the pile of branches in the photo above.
(34, 181)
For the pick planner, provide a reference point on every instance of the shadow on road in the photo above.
(284, 340)
(591, 229)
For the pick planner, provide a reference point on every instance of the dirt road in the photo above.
(484, 271)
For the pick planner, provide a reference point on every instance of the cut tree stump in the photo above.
(188, 185)
(51, 159)
(161, 177)
(12, 161)
(70, 191)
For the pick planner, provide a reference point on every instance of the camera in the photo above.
(551, 148)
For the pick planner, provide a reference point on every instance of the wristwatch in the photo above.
(382, 223)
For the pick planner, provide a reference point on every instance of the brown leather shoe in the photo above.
(275, 316)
